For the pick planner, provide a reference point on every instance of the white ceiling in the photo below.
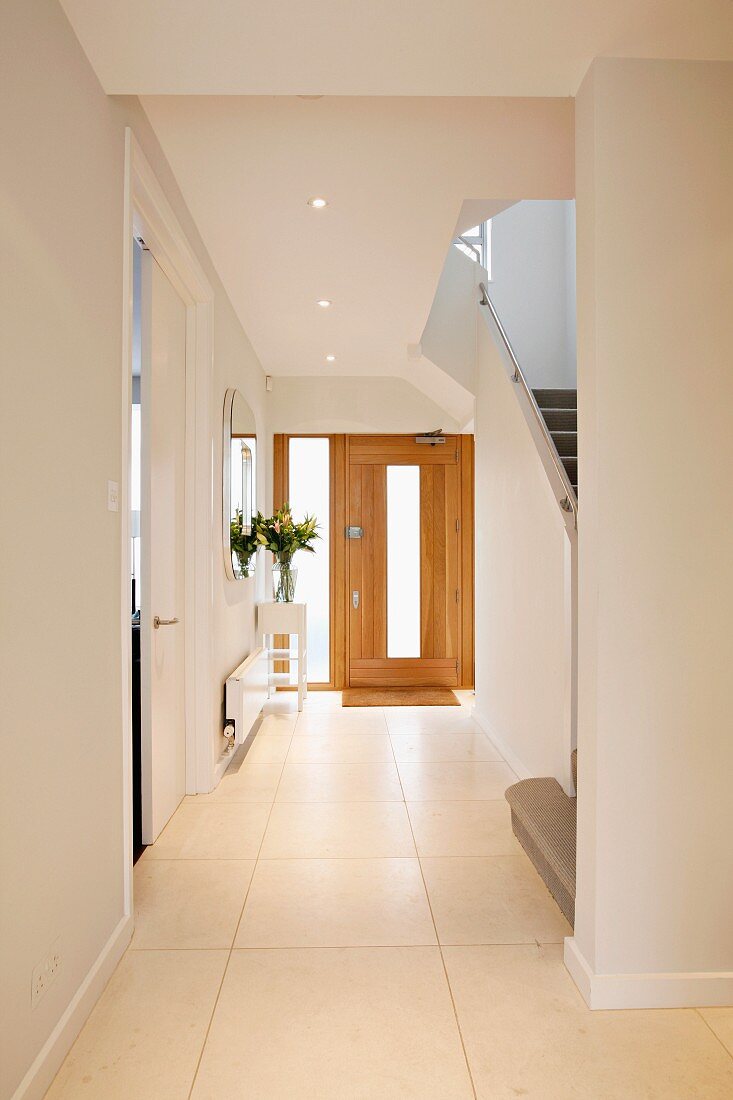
(395, 172)
(383, 47)
(401, 174)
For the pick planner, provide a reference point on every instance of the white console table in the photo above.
(284, 618)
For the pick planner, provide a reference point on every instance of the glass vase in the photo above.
(245, 565)
(284, 576)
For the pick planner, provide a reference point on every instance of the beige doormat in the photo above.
(399, 697)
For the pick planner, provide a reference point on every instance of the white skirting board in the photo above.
(513, 761)
(48, 1060)
(690, 990)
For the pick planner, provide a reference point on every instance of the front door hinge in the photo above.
(458, 595)
(457, 665)
(458, 525)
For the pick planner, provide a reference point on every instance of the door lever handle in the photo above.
(158, 622)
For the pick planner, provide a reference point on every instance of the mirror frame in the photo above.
(226, 480)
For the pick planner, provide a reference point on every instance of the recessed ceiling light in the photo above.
(330, 358)
(324, 303)
(317, 203)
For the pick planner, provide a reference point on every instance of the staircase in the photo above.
(544, 822)
(560, 410)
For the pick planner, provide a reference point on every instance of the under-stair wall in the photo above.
(523, 566)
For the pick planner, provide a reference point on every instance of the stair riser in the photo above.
(566, 443)
(561, 892)
(561, 420)
(556, 399)
(571, 466)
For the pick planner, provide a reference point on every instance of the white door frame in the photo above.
(148, 214)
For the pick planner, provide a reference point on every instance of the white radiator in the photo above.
(246, 693)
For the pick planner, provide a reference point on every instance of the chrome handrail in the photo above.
(569, 503)
(469, 244)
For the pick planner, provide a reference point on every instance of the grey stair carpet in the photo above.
(560, 411)
(544, 823)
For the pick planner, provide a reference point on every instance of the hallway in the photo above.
(349, 916)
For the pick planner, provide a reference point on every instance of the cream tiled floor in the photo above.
(347, 917)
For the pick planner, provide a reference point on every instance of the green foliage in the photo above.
(283, 536)
(244, 543)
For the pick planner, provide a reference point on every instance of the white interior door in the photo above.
(163, 418)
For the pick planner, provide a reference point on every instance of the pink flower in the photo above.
(276, 526)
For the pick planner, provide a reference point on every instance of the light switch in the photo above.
(113, 496)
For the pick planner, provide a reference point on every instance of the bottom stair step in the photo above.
(544, 823)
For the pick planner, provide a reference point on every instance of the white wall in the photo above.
(235, 365)
(61, 210)
(449, 337)
(522, 641)
(533, 287)
(343, 404)
(655, 323)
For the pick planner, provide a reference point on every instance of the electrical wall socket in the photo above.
(45, 973)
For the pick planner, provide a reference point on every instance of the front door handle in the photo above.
(355, 600)
(158, 622)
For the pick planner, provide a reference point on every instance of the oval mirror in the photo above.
(239, 481)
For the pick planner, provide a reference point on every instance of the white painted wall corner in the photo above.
(51, 1055)
(617, 991)
(513, 761)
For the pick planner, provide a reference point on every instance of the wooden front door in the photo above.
(406, 561)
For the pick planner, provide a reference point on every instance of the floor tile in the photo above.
(144, 1037)
(339, 723)
(269, 748)
(430, 719)
(400, 714)
(463, 828)
(243, 781)
(371, 714)
(720, 1020)
(425, 782)
(217, 830)
(336, 903)
(349, 1024)
(341, 748)
(340, 783)
(323, 700)
(459, 725)
(279, 722)
(182, 903)
(320, 830)
(497, 899)
(282, 702)
(528, 1033)
(442, 747)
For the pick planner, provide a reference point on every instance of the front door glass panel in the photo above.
(403, 561)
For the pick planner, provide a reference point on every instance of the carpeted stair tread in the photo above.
(544, 822)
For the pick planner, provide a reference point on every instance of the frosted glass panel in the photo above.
(403, 561)
(310, 482)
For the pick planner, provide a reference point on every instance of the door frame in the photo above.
(465, 456)
(340, 456)
(148, 214)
